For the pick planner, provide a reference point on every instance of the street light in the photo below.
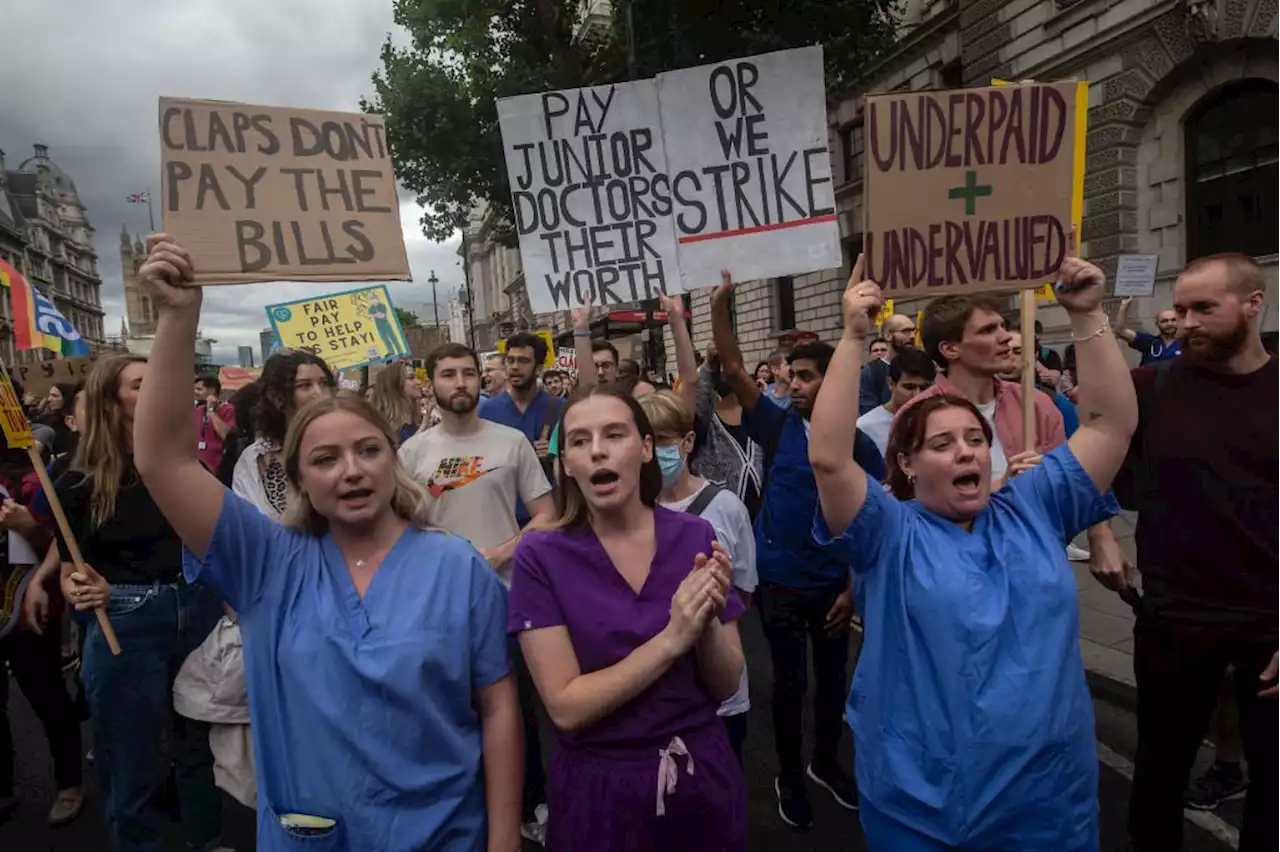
(434, 306)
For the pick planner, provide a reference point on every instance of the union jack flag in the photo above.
(139, 198)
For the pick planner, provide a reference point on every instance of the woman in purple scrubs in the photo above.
(627, 619)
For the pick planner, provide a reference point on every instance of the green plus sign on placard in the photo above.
(970, 192)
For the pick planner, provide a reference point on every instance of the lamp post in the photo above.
(435, 308)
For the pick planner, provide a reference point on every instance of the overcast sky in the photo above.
(84, 76)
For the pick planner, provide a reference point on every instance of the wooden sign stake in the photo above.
(1027, 322)
(104, 623)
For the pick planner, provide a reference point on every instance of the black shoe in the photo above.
(834, 780)
(793, 802)
(1222, 782)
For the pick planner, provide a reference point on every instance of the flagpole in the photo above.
(150, 216)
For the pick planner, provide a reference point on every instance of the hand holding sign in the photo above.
(861, 303)
(1080, 284)
(168, 274)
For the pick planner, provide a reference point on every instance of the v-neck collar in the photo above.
(613, 569)
(335, 564)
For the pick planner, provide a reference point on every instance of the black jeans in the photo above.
(36, 663)
(793, 619)
(1179, 668)
(535, 777)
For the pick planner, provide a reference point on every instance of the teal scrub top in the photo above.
(362, 709)
(971, 717)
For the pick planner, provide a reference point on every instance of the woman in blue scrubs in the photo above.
(384, 716)
(971, 717)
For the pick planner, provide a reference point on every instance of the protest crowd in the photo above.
(343, 613)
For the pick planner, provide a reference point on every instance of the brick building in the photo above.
(1182, 141)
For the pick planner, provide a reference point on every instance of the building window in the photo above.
(852, 140)
(951, 76)
(1232, 171)
(784, 301)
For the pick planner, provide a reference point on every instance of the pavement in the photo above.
(1106, 624)
(835, 829)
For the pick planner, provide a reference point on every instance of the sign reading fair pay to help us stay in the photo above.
(270, 194)
(348, 329)
(971, 189)
(621, 192)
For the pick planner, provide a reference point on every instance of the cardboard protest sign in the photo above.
(567, 360)
(38, 377)
(268, 194)
(13, 419)
(750, 174)
(234, 378)
(348, 329)
(351, 380)
(590, 195)
(971, 190)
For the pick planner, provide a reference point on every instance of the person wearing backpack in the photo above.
(672, 421)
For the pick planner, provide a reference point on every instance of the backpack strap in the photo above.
(703, 500)
(550, 416)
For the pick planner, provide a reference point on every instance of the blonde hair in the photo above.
(668, 413)
(408, 499)
(105, 450)
(389, 398)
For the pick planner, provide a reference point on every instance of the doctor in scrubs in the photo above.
(627, 618)
(973, 724)
(384, 716)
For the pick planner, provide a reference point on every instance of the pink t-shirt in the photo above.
(208, 443)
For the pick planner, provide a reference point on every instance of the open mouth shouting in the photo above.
(604, 482)
(355, 498)
(968, 484)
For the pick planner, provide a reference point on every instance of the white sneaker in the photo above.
(1077, 554)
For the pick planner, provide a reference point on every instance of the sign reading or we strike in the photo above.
(622, 192)
(971, 190)
(348, 329)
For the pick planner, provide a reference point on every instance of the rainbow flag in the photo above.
(37, 324)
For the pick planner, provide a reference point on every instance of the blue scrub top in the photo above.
(1153, 348)
(971, 717)
(362, 709)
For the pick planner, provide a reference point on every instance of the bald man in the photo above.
(900, 332)
(1153, 347)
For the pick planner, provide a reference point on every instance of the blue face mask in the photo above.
(670, 463)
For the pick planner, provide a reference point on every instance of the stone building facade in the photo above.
(46, 235)
(1181, 151)
(498, 299)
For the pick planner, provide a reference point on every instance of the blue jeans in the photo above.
(131, 706)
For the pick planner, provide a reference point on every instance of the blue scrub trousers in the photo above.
(885, 834)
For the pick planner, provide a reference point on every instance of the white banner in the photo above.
(730, 160)
(590, 195)
(750, 172)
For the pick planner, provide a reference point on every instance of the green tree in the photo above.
(408, 319)
(438, 94)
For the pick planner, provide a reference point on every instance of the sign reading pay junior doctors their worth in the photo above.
(623, 191)
(750, 173)
(970, 190)
(268, 194)
(590, 195)
(348, 330)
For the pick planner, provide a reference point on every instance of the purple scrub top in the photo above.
(565, 577)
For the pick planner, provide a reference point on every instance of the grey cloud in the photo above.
(93, 102)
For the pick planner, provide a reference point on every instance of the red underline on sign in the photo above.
(697, 238)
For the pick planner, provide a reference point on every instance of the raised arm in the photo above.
(1122, 329)
(686, 362)
(582, 345)
(731, 366)
(164, 439)
(1108, 403)
(842, 484)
